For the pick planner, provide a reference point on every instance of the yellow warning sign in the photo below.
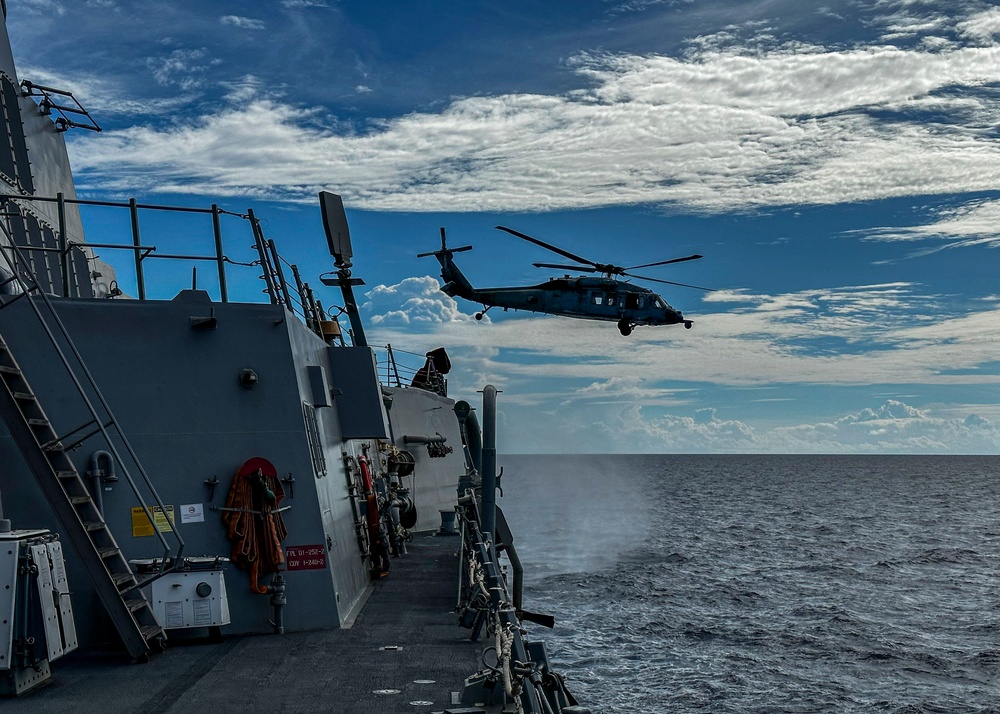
(163, 517)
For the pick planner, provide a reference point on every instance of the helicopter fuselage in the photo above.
(591, 298)
(582, 297)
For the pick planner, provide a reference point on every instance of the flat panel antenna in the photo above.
(338, 234)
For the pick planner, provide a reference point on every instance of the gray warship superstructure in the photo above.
(194, 465)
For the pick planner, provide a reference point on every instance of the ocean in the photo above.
(764, 583)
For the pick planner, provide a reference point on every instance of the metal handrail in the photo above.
(78, 384)
(295, 296)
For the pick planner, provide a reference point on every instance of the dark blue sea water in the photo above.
(765, 583)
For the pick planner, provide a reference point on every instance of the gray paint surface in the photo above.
(175, 390)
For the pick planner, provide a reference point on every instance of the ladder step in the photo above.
(38, 422)
(94, 525)
(135, 604)
(106, 553)
(24, 396)
(66, 474)
(9, 370)
(80, 500)
(123, 578)
(151, 631)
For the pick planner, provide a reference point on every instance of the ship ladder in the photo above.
(45, 453)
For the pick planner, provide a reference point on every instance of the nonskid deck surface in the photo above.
(406, 639)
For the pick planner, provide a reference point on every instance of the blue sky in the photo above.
(838, 166)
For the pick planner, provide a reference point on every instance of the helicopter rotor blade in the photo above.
(580, 268)
(549, 246)
(664, 262)
(669, 282)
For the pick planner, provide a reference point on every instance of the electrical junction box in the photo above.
(194, 597)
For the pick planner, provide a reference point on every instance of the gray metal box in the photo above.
(195, 598)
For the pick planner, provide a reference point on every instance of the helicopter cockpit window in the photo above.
(597, 298)
(657, 303)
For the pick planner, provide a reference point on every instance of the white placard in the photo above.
(192, 513)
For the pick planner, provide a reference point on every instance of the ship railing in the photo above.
(283, 284)
(399, 368)
(485, 601)
(523, 672)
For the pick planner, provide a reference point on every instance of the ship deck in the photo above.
(404, 653)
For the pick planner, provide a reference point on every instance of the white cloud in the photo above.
(657, 390)
(855, 336)
(181, 68)
(244, 23)
(411, 303)
(718, 129)
(892, 410)
(98, 94)
(42, 7)
(974, 223)
(984, 26)
(893, 427)
(245, 89)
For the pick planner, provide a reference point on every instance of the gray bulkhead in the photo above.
(323, 377)
(175, 390)
(419, 413)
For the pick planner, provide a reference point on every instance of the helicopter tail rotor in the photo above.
(445, 250)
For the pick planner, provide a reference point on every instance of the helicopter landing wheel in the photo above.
(687, 324)
(479, 316)
(625, 327)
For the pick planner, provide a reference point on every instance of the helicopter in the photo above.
(590, 298)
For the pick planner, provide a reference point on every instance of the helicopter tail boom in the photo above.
(455, 282)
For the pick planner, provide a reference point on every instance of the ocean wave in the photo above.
(772, 584)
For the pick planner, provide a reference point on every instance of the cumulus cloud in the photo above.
(412, 303)
(893, 427)
(892, 409)
(719, 128)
